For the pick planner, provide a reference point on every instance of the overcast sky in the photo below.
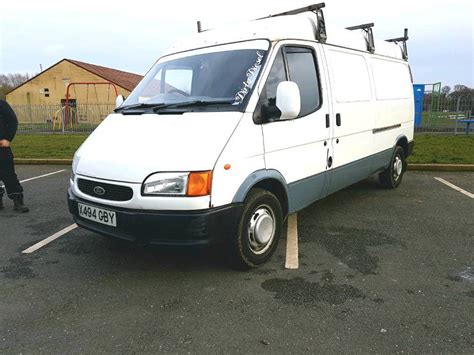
(131, 35)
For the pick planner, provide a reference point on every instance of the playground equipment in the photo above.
(433, 91)
(84, 107)
(59, 115)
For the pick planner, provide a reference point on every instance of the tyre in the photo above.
(392, 177)
(259, 230)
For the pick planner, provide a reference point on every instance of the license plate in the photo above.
(98, 215)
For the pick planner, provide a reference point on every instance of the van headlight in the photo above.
(166, 184)
(178, 184)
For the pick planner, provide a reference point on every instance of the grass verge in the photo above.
(50, 146)
(443, 149)
(429, 149)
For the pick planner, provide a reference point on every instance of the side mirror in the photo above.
(288, 100)
(119, 101)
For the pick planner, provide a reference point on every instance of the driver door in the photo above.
(298, 148)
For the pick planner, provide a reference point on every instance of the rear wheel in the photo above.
(259, 230)
(391, 177)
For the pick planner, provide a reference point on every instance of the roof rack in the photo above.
(320, 34)
(312, 8)
(403, 40)
(369, 34)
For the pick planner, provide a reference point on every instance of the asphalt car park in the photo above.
(378, 271)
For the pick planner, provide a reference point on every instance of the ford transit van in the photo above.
(233, 130)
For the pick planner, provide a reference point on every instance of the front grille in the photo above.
(110, 192)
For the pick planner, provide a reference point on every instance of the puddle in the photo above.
(298, 291)
(20, 267)
(350, 245)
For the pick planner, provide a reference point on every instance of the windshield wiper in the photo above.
(138, 106)
(156, 107)
(194, 103)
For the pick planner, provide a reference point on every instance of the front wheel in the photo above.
(391, 177)
(259, 230)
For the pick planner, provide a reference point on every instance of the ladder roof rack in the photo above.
(317, 9)
(369, 34)
(312, 8)
(402, 40)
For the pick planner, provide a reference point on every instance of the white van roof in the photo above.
(301, 26)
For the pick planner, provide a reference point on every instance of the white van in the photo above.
(235, 129)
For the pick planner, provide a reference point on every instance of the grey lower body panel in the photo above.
(306, 191)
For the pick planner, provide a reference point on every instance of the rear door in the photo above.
(298, 148)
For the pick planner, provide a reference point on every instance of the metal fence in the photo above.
(56, 119)
(447, 115)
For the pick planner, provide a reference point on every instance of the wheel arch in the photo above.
(269, 180)
(402, 141)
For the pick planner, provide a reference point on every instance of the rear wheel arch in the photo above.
(402, 141)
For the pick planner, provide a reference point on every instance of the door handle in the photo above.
(338, 119)
(329, 162)
(327, 120)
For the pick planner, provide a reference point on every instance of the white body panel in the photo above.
(296, 147)
(245, 154)
(129, 148)
(352, 99)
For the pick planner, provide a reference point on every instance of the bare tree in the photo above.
(10, 81)
(446, 90)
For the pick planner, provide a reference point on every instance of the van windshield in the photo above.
(216, 79)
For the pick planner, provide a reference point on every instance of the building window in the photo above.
(46, 92)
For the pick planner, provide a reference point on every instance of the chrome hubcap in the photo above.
(397, 167)
(261, 229)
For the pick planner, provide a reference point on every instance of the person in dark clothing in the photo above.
(8, 127)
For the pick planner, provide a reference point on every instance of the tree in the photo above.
(446, 90)
(465, 95)
(460, 88)
(10, 81)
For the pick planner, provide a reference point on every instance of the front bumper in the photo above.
(164, 227)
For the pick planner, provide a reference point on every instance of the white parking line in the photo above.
(447, 183)
(39, 177)
(42, 176)
(49, 239)
(292, 243)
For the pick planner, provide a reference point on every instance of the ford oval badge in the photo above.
(99, 190)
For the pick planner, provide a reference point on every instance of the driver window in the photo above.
(267, 101)
(178, 80)
(297, 64)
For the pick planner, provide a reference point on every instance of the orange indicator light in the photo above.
(199, 183)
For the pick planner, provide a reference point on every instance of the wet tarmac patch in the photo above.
(45, 229)
(298, 291)
(264, 271)
(328, 276)
(470, 294)
(77, 248)
(20, 267)
(466, 275)
(350, 246)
